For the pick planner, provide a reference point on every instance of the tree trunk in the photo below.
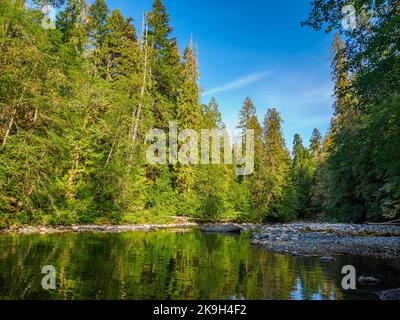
(136, 114)
(8, 130)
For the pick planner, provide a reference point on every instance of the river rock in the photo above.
(327, 258)
(368, 281)
(393, 294)
(261, 236)
(226, 228)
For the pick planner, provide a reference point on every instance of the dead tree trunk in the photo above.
(10, 124)
(136, 114)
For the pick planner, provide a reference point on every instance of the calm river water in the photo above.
(175, 264)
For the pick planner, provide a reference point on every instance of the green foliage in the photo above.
(303, 170)
(360, 171)
(277, 188)
(76, 103)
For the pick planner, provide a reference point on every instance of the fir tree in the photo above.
(277, 191)
(166, 64)
(302, 175)
(316, 143)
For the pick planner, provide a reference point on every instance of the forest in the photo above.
(77, 100)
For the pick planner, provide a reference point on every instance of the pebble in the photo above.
(327, 258)
(314, 239)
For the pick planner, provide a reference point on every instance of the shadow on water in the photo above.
(175, 265)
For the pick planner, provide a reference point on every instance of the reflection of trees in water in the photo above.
(160, 265)
(312, 278)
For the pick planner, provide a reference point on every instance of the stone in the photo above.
(261, 236)
(327, 258)
(226, 228)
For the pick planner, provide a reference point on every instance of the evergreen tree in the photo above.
(189, 116)
(212, 115)
(72, 22)
(320, 190)
(166, 65)
(189, 113)
(248, 120)
(76, 102)
(97, 18)
(302, 175)
(316, 143)
(362, 181)
(222, 197)
(278, 194)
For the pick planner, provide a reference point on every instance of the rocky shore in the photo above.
(305, 239)
(327, 240)
(94, 228)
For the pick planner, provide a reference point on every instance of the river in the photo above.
(175, 264)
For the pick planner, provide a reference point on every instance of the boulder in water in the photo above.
(224, 228)
(327, 258)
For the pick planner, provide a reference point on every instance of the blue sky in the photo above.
(255, 48)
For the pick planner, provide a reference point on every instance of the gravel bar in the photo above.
(314, 239)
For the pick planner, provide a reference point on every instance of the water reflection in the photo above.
(172, 265)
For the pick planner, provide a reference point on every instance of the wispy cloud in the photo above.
(241, 82)
(321, 93)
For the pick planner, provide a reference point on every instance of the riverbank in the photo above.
(298, 239)
(328, 240)
(94, 228)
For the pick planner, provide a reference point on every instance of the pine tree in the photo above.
(189, 116)
(316, 143)
(97, 18)
(320, 190)
(72, 22)
(302, 175)
(166, 65)
(248, 120)
(119, 51)
(343, 179)
(345, 103)
(212, 115)
(189, 113)
(221, 196)
(363, 177)
(277, 191)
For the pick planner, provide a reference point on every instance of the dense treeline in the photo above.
(359, 172)
(77, 101)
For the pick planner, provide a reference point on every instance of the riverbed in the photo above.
(177, 263)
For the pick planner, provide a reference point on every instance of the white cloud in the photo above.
(241, 82)
(322, 93)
